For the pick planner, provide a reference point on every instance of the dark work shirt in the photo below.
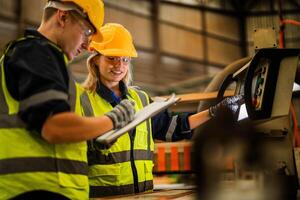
(164, 124)
(34, 66)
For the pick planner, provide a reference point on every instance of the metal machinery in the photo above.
(255, 145)
(259, 132)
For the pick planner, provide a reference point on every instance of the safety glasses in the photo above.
(116, 59)
(87, 28)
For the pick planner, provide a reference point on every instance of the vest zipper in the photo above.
(133, 167)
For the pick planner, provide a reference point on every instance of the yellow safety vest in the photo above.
(27, 161)
(112, 169)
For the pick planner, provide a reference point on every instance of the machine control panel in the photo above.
(267, 82)
(258, 83)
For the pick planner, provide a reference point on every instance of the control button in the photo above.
(258, 92)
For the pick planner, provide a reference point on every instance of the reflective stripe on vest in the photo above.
(144, 98)
(42, 97)
(119, 157)
(171, 128)
(73, 88)
(98, 191)
(28, 162)
(87, 111)
(110, 163)
(86, 105)
(17, 165)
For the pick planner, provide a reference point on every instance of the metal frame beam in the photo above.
(156, 39)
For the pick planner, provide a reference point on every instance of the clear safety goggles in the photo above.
(88, 30)
(116, 59)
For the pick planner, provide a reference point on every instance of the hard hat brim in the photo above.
(118, 52)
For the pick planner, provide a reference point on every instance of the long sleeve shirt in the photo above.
(166, 126)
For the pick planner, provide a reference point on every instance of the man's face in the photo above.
(76, 35)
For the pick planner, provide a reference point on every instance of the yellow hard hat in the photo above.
(117, 41)
(94, 10)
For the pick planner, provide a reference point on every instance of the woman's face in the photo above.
(112, 69)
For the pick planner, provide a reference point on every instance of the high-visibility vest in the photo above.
(27, 161)
(112, 169)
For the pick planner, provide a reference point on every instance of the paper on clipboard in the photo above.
(158, 105)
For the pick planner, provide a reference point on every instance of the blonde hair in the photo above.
(93, 78)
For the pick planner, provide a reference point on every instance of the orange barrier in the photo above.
(176, 157)
(172, 157)
(187, 157)
(161, 159)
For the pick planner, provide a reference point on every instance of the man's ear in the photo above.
(62, 17)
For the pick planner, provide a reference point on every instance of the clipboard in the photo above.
(159, 104)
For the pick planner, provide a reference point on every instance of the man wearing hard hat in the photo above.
(42, 135)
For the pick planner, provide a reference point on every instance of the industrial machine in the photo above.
(261, 128)
(268, 82)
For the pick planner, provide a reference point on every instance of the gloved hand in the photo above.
(122, 114)
(230, 103)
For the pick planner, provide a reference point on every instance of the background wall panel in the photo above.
(139, 27)
(222, 25)
(8, 32)
(181, 42)
(221, 52)
(33, 10)
(136, 6)
(182, 16)
(7, 8)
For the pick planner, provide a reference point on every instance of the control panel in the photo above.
(267, 82)
(259, 82)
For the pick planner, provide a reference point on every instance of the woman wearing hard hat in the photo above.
(126, 166)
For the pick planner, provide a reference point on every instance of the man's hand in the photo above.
(231, 103)
(122, 114)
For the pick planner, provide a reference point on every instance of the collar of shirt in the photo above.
(35, 33)
(109, 95)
